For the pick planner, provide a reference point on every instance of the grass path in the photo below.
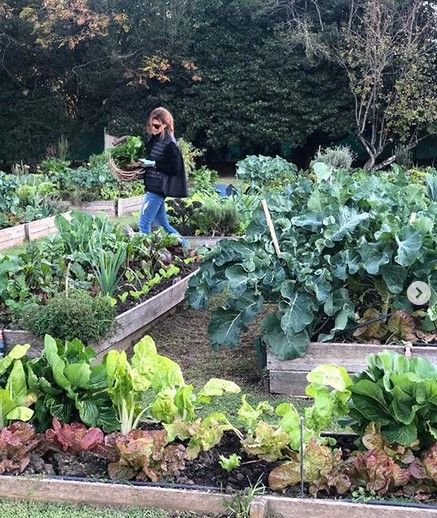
(18, 509)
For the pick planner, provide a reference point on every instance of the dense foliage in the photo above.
(349, 248)
(124, 60)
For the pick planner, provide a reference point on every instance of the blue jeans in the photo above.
(153, 211)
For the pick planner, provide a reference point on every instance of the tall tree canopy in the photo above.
(225, 67)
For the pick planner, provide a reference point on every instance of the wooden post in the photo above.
(271, 227)
(258, 508)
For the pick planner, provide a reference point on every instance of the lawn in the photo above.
(17, 509)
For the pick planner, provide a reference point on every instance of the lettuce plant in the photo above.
(74, 438)
(321, 470)
(399, 394)
(230, 463)
(17, 441)
(144, 455)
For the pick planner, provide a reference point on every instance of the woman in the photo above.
(165, 172)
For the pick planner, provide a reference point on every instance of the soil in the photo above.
(185, 270)
(204, 471)
(183, 337)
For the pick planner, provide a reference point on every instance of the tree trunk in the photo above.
(370, 164)
(385, 163)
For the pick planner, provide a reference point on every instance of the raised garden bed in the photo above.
(289, 377)
(129, 325)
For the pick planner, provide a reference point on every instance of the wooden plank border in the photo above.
(12, 236)
(106, 494)
(129, 205)
(289, 376)
(43, 227)
(198, 501)
(93, 207)
(325, 508)
(131, 323)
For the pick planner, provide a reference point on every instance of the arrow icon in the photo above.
(419, 293)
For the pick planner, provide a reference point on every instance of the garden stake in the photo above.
(301, 457)
(271, 227)
(2, 344)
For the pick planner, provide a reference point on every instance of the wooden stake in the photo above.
(271, 227)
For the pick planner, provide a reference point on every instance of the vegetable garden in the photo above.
(333, 269)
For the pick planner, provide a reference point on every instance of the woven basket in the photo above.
(123, 175)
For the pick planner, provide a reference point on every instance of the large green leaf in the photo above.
(78, 374)
(396, 433)
(409, 244)
(297, 313)
(330, 375)
(394, 276)
(17, 352)
(283, 346)
(55, 362)
(345, 223)
(225, 327)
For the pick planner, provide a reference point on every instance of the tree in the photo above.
(388, 51)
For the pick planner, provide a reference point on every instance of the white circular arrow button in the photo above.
(419, 293)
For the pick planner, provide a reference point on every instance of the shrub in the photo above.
(203, 179)
(78, 315)
(339, 157)
(217, 217)
(189, 155)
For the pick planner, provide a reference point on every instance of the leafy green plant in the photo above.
(66, 316)
(15, 397)
(398, 394)
(129, 382)
(189, 155)
(144, 455)
(107, 267)
(230, 463)
(261, 172)
(345, 247)
(127, 152)
(203, 179)
(69, 387)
